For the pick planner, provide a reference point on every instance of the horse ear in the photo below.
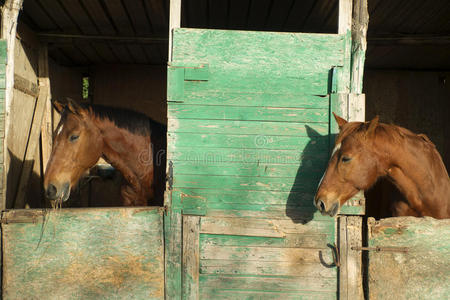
(76, 108)
(340, 121)
(372, 126)
(59, 107)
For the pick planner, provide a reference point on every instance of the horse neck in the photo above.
(128, 152)
(420, 175)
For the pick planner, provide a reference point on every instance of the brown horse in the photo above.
(367, 151)
(129, 141)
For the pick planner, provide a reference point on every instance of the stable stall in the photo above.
(247, 100)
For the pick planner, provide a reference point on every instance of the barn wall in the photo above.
(416, 100)
(141, 88)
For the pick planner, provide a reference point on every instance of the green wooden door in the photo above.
(413, 261)
(110, 253)
(248, 138)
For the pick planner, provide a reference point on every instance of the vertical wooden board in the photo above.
(83, 254)
(422, 272)
(173, 253)
(191, 257)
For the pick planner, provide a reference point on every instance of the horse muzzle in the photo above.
(327, 210)
(53, 192)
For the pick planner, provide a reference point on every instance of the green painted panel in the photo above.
(244, 113)
(3, 51)
(247, 169)
(290, 240)
(233, 294)
(422, 272)
(173, 251)
(83, 254)
(246, 183)
(261, 156)
(248, 127)
(267, 54)
(198, 93)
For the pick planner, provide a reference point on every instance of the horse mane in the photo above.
(132, 121)
(391, 132)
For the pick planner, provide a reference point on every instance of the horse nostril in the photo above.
(320, 205)
(51, 191)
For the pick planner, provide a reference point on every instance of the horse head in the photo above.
(77, 146)
(353, 166)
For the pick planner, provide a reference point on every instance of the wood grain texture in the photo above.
(422, 272)
(191, 257)
(83, 254)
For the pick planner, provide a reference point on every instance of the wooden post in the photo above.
(350, 269)
(46, 128)
(10, 12)
(33, 139)
(174, 21)
(191, 257)
(360, 23)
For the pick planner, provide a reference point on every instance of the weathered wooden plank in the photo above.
(173, 253)
(296, 52)
(191, 257)
(244, 254)
(225, 294)
(420, 273)
(306, 184)
(290, 240)
(272, 284)
(350, 269)
(196, 93)
(248, 127)
(264, 227)
(261, 156)
(267, 268)
(83, 254)
(247, 169)
(243, 113)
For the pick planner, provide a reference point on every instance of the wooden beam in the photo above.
(350, 269)
(10, 12)
(26, 86)
(345, 16)
(33, 139)
(46, 126)
(57, 38)
(191, 257)
(408, 39)
(360, 23)
(174, 21)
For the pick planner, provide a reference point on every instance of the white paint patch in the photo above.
(60, 128)
(336, 148)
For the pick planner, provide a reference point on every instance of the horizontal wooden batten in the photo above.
(244, 254)
(264, 227)
(228, 196)
(247, 113)
(270, 128)
(255, 268)
(232, 294)
(247, 169)
(289, 240)
(204, 96)
(255, 141)
(267, 283)
(261, 156)
(246, 183)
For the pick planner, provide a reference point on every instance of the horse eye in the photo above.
(346, 159)
(73, 138)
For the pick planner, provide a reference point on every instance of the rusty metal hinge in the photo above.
(380, 249)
